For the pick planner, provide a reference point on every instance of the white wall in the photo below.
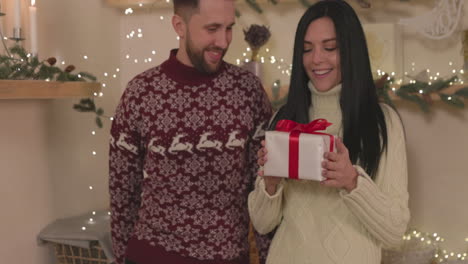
(45, 146)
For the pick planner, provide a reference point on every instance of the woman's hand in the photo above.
(338, 169)
(270, 181)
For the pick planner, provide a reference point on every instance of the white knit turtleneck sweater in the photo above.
(322, 225)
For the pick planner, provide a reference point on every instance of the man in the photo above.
(183, 149)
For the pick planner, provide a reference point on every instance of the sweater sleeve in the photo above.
(382, 205)
(265, 210)
(125, 173)
(263, 113)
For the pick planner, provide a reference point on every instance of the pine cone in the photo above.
(52, 61)
(70, 68)
(256, 36)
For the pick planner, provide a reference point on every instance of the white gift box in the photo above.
(311, 150)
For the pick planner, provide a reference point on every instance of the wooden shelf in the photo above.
(31, 89)
(164, 4)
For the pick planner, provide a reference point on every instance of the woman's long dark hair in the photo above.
(364, 128)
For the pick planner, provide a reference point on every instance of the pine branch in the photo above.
(23, 66)
(462, 92)
(452, 100)
(415, 99)
(305, 3)
(254, 5)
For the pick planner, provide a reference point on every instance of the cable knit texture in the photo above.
(331, 226)
(182, 163)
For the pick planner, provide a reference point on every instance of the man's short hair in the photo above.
(186, 8)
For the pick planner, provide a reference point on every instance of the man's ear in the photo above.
(179, 25)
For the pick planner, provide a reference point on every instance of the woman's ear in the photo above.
(179, 26)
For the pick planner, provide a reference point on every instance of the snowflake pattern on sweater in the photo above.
(183, 160)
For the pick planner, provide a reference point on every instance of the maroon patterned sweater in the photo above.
(182, 163)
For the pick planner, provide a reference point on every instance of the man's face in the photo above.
(209, 33)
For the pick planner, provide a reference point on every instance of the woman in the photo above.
(362, 205)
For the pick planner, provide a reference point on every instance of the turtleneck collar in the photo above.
(326, 105)
(187, 74)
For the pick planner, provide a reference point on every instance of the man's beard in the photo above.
(198, 60)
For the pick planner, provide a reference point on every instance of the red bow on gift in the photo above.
(295, 129)
(289, 125)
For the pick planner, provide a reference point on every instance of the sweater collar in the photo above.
(328, 99)
(326, 105)
(187, 74)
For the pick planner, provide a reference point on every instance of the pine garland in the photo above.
(420, 93)
(19, 65)
(417, 92)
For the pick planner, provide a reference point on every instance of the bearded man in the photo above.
(183, 149)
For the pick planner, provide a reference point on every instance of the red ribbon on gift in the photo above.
(295, 129)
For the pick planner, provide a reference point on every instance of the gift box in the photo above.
(296, 151)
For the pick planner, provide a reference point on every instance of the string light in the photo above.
(128, 11)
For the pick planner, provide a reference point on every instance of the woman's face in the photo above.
(321, 56)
